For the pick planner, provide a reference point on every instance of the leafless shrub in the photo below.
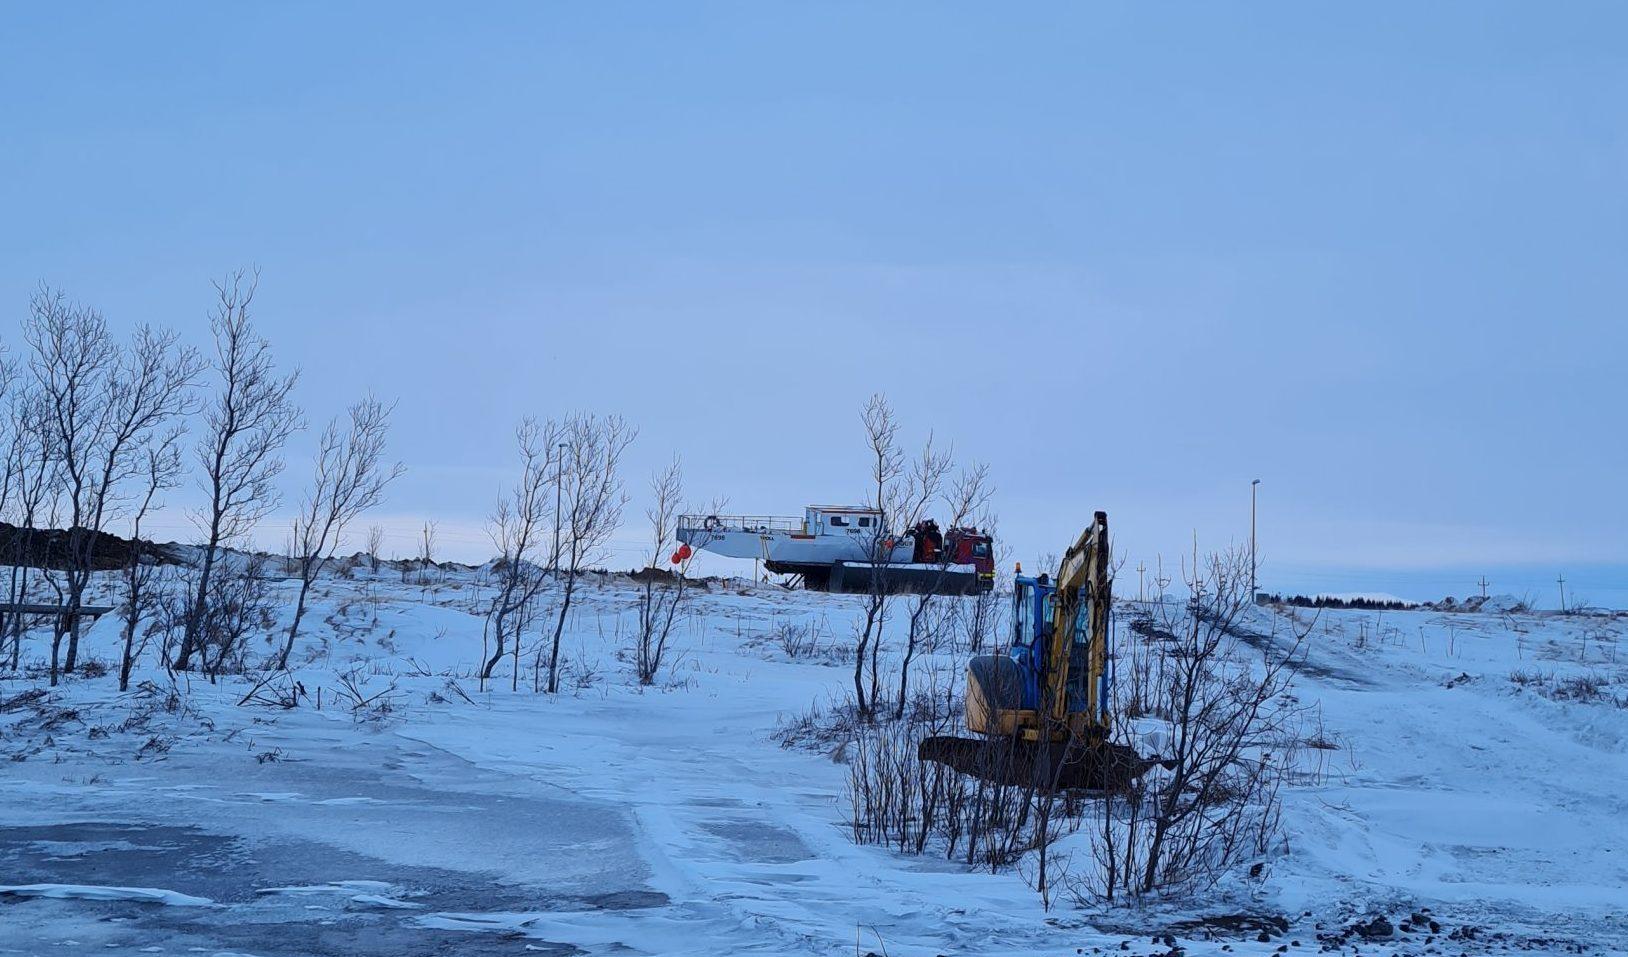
(962, 498)
(375, 545)
(274, 689)
(818, 727)
(1219, 697)
(662, 592)
(1587, 688)
(238, 604)
(981, 617)
(915, 806)
(795, 639)
(366, 704)
(426, 550)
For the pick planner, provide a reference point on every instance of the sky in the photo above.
(1132, 256)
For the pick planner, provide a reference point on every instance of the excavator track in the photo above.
(1098, 766)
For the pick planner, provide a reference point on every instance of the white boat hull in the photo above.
(790, 548)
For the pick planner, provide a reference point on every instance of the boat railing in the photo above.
(740, 523)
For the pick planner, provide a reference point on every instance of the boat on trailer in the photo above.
(846, 548)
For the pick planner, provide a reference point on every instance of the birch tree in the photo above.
(591, 495)
(351, 476)
(517, 530)
(246, 422)
(30, 463)
(886, 467)
(161, 469)
(662, 593)
(964, 498)
(102, 401)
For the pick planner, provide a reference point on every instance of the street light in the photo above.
(1252, 487)
(559, 473)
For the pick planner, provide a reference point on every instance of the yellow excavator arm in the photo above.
(1079, 635)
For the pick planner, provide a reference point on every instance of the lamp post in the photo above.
(559, 474)
(1252, 487)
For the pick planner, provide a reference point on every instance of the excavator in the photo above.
(1041, 708)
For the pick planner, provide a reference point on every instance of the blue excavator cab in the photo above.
(1031, 632)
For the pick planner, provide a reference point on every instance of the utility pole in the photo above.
(1483, 584)
(1140, 568)
(1252, 487)
(1562, 582)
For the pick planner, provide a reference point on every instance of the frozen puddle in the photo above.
(356, 871)
(244, 912)
(755, 840)
(89, 892)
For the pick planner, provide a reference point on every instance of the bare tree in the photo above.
(102, 402)
(161, 469)
(246, 423)
(426, 551)
(517, 529)
(351, 476)
(964, 498)
(30, 463)
(663, 592)
(8, 438)
(375, 545)
(590, 490)
(987, 607)
(886, 467)
(11, 441)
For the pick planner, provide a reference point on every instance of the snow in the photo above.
(666, 820)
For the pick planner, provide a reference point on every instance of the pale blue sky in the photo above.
(1131, 255)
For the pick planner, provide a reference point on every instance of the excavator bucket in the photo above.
(1100, 766)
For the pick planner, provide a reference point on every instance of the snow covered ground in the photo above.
(1474, 766)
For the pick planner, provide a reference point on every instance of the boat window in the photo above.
(838, 521)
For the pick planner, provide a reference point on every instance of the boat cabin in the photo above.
(854, 520)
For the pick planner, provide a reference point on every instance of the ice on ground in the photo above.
(91, 892)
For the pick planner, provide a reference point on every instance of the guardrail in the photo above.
(741, 523)
(25, 608)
